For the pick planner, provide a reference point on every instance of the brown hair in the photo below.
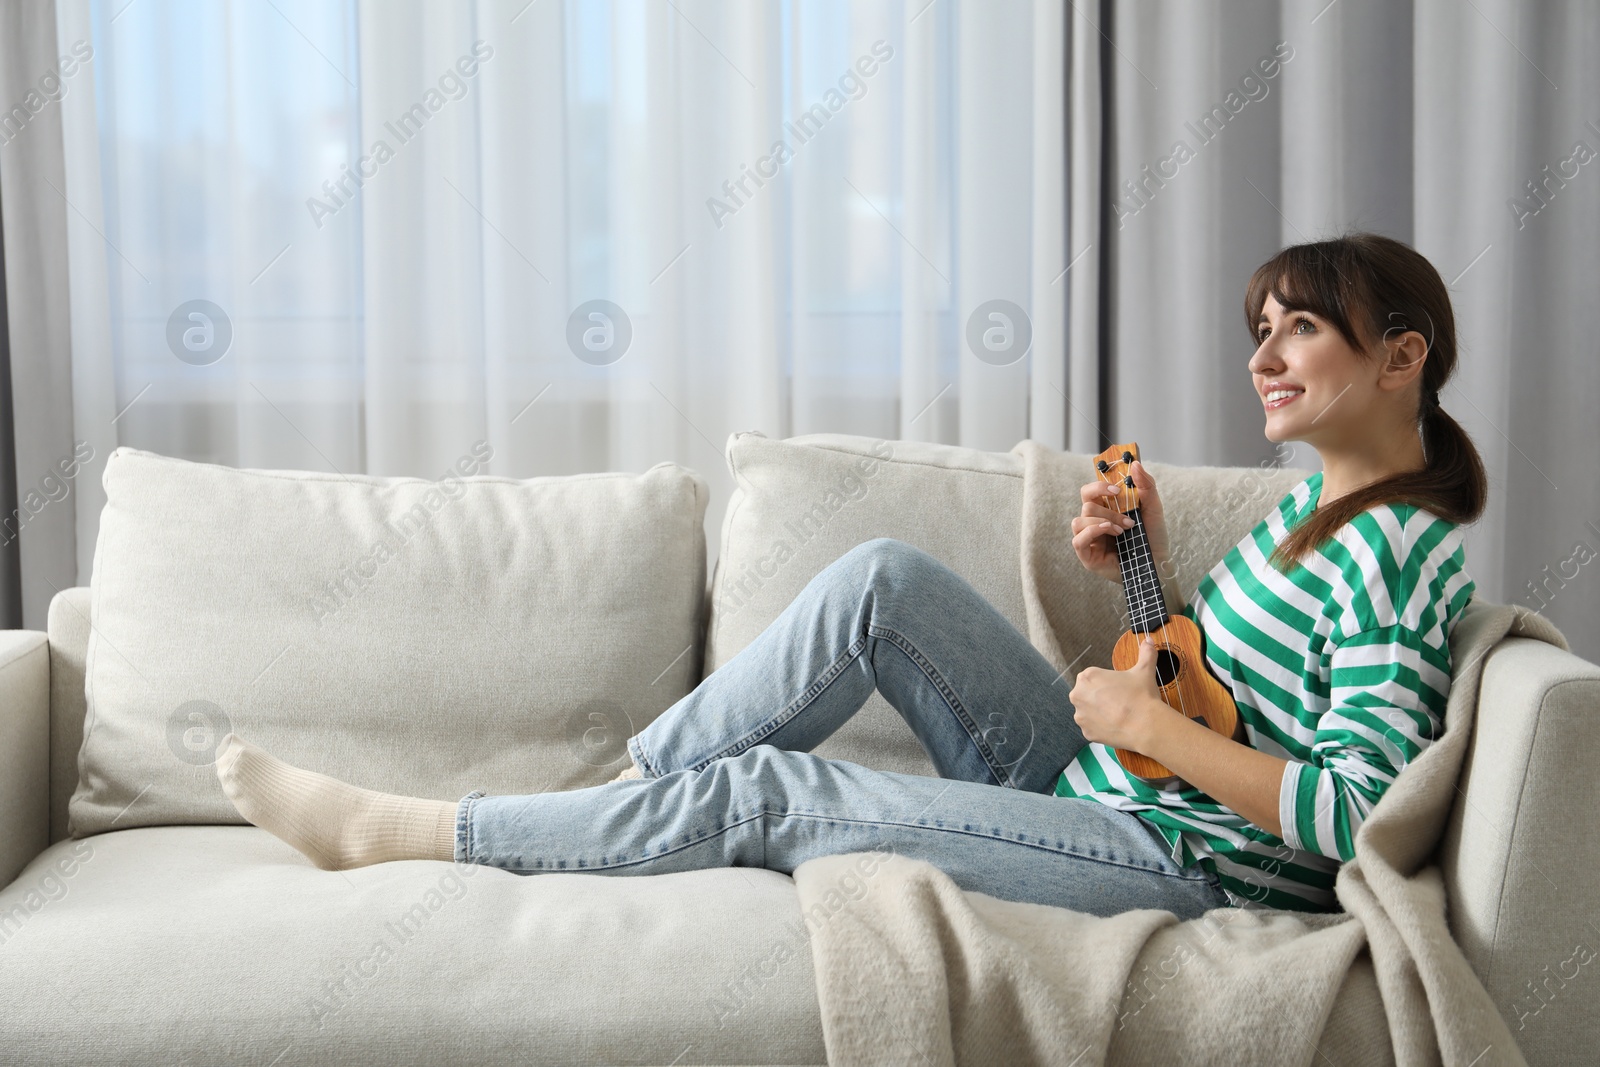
(1369, 286)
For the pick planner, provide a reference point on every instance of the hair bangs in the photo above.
(1315, 277)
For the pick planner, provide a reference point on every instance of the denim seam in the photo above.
(583, 866)
(953, 702)
(464, 823)
(635, 747)
(1178, 874)
(586, 867)
(1002, 777)
(807, 696)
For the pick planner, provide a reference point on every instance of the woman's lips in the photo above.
(1279, 403)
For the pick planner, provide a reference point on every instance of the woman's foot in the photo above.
(337, 825)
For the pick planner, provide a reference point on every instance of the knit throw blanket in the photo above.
(912, 969)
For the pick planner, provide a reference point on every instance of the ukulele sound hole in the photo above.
(1166, 666)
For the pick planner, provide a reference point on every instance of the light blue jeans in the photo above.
(730, 779)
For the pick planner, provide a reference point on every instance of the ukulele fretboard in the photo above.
(1147, 607)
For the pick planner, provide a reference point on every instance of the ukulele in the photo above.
(1182, 673)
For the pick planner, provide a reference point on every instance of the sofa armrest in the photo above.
(24, 749)
(1519, 855)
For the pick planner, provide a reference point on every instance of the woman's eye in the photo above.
(1261, 335)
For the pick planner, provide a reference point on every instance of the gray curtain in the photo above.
(1425, 120)
(35, 233)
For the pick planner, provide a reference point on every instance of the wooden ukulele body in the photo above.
(1186, 684)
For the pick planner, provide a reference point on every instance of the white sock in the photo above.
(337, 825)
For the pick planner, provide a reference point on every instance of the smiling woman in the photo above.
(1330, 621)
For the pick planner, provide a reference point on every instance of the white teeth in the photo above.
(1279, 394)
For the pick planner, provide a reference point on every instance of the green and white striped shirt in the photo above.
(1341, 668)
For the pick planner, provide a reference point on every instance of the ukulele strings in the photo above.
(1138, 540)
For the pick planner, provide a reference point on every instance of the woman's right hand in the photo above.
(1092, 531)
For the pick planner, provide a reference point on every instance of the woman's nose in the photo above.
(1264, 360)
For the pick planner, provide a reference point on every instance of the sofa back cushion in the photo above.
(411, 636)
(801, 503)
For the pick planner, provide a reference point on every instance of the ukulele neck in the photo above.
(1141, 582)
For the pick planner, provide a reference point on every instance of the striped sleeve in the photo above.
(1383, 713)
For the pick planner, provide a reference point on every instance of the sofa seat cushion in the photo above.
(209, 944)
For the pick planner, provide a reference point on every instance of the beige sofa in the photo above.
(194, 938)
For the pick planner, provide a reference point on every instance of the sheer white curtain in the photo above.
(400, 206)
(388, 329)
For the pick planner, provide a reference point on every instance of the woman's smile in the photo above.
(1282, 399)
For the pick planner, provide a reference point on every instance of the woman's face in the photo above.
(1302, 353)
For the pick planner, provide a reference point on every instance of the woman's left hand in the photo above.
(1118, 708)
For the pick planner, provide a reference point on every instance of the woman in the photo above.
(1329, 622)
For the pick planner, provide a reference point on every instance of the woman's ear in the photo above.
(1405, 353)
